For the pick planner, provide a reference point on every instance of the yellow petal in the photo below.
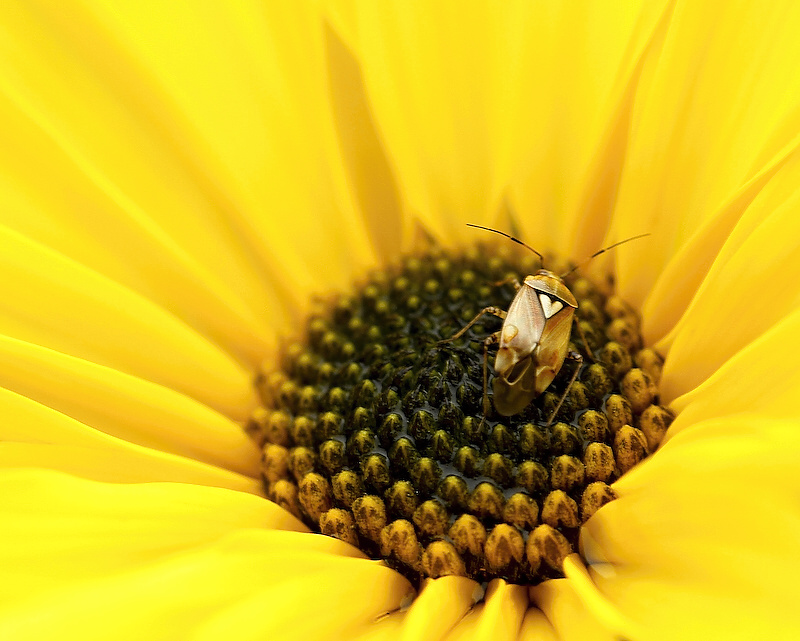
(702, 541)
(503, 613)
(59, 532)
(565, 612)
(510, 101)
(757, 380)
(319, 597)
(117, 404)
(716, 103)
(386, 627)
(594, 211)
(536, 627)
(499, 616)
(369, 177)
(224, 579)
(439, 607)
(33, 435)
(224, 591)
(198, 157)
(54, 302)
(114, 128)
(85, 216)
(685, 270)
(745, 292)
(122, 463)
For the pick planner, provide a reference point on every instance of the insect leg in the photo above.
(576, 357)
(490, 340)
(486, 310)
(513, 280)
(583, 339)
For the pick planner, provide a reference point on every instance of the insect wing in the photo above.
(521, 332)
(510, 399)
(553, 347)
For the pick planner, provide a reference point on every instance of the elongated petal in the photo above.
(754, 381)
(717, 102)
(591, 220)
(59, 531)
(501, 617)
(177, 563)
(240, 586)
(536, 627)
(110, 402)
(196, 159)
(33, 435)
(701, 542)
(439, 608)
(513, 102)
(118, 462)
(559, 602)
(369, 177)
(85, 215)
(59, 304)
(319, 597)
(704, 527)
(751, 286)
(688, 266)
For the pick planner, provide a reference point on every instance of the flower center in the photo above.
(376, 432)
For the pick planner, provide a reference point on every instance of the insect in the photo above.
(534, 339)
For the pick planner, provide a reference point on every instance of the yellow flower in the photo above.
(178, 180)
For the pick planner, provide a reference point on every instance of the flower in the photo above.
(177, 180)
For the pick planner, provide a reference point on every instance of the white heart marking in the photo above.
(550, 307)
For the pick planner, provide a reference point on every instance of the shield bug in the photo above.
(534, 339)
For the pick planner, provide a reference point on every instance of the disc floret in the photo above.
(375, 433)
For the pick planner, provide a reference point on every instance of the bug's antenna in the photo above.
(602, 251)
(510, 237)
